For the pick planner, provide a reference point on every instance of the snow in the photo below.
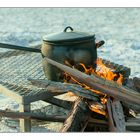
(118, 27)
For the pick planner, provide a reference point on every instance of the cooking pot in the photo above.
(67, 46)
(71, 46)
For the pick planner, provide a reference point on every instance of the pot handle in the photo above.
(99, 44)
(68, 27)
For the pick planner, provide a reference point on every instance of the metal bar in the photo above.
(10, 46)
(31, 115)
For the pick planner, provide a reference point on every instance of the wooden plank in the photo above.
(25, 124)
(30, 115)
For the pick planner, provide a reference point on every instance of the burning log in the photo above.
(78, 117)
(97, 83)
(58, 87)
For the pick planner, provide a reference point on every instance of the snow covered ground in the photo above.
(118, 27)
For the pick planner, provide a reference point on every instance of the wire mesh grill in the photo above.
(15, 69)
(17, 66)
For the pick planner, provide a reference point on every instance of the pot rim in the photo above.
(70, 42)
(68, 36)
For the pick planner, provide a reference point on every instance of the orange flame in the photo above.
(106, 72)
(101, 71)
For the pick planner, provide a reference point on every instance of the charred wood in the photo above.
(78, 117)
(60, 103)
(26, 115)
(136, 81)
(111, 124)
(118, 116)
(95, 82)
(58, 87)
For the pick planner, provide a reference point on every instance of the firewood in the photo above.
(134, 120)
(27, 115)
(111, 124)
(132, 83)
(58, 87)
(60, 103)
(78, 117)
(132, 106)
(132, 126)
(115, 116)
(97, 121)
(95, 82)
(118, 116)
(136, 81)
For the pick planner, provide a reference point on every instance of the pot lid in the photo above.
(67, 36)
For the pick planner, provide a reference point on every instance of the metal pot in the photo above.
(74, 47)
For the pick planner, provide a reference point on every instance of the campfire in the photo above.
(104, 93)
(101, 71)
(106, 99)
(102, 99)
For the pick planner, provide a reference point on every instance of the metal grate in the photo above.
(15, 69)
(17, 66)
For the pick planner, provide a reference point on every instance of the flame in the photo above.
(106, 72)
(97, 107)
(102, 71)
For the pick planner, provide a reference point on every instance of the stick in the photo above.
(35, 116)
(61, 103)
(97, 83)
(77, 119)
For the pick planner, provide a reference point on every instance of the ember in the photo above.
(102, 71)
